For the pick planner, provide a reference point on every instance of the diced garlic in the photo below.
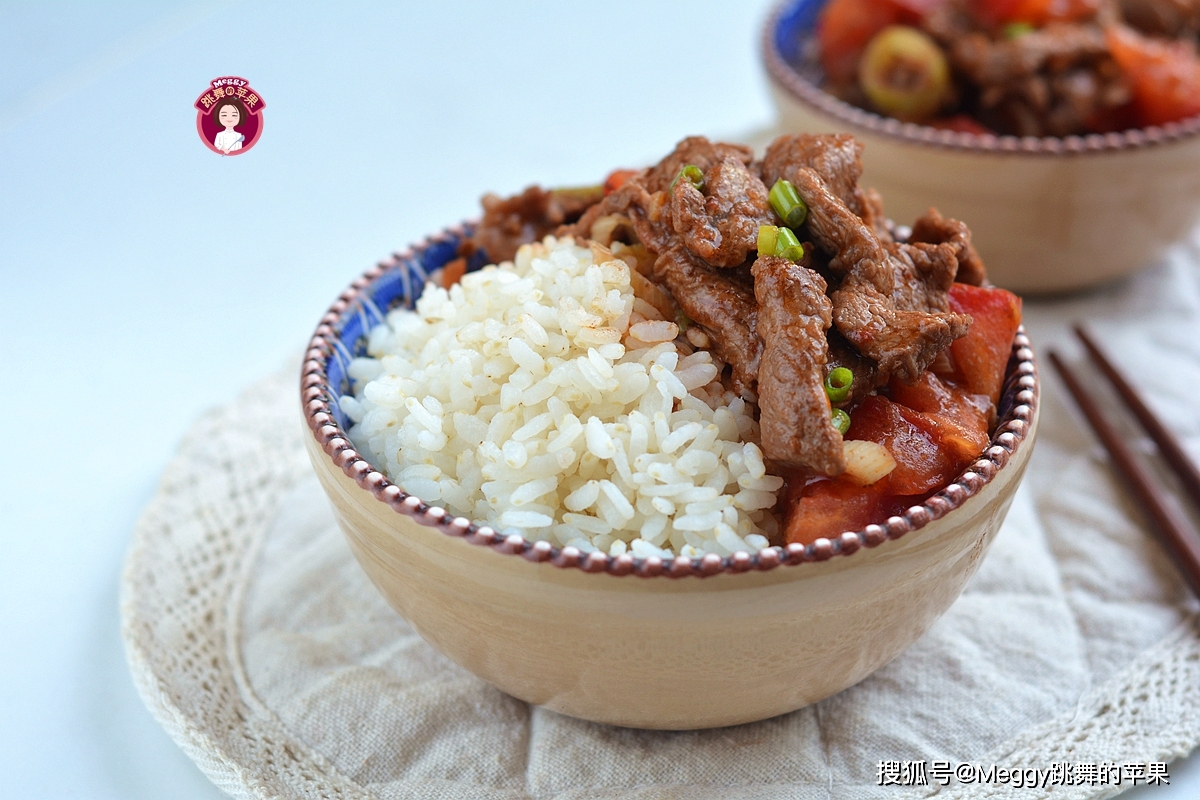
(866, 462)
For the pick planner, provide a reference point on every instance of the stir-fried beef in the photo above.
(725, 308)
(836, 158)
(652, 204)
(511, 222)
(1054, 81)
(793, 316)
(872, 204)
(720, 224)
(867, 375)
(990, 62)
(1174, 18)
(857, 298)
(936, 229)
(615, 204)
(891, 304)
(837, 230)
(695, 150)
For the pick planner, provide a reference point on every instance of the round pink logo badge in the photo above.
(229, 116)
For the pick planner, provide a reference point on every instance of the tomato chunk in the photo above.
(959, 123)
(616, 179)
(912, 438)
(827, 508)
(981, 357)
(845, 27)
(995, 13)
(961, 419)
(1165, 76)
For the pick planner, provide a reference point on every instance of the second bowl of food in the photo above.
(1068, 134)
(721, 447)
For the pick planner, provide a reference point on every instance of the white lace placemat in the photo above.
(264, 651)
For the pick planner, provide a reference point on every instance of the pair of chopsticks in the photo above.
(1181, 540)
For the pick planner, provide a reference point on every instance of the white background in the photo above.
(145, 279)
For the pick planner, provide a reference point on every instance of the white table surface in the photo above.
(148, 279)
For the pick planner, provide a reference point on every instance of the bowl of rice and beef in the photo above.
(698, 447)
(1067, 133)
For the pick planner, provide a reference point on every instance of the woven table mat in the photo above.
(261, 647)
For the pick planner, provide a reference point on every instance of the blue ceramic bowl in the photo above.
(398, 284)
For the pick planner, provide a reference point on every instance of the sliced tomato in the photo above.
(960, 123)
(825, 508)
(995, 13)
(845, 27)
(981, 357)
(960, 419)
(616, 179)
(913, 439)
(1165, 76)
(932, 428)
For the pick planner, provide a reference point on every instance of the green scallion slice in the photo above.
(841, 421)
(787, 245)
(1015, 30)
(838, 383)
(690, 173)
(767, 236)
(787, 203)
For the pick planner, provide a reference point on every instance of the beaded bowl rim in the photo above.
(817, 99)
(318, 396)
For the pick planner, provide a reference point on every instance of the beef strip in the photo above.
(725, 308)
(793, 316)
(892, 303)
(1056, 81)
(720, 224)
(1171, 18)
(839, 232)
(936, 229)
(836, 158)
(692, 150)
(872, 214)
(988, 62)
(718, 220)
(948, 21)
(617, 202)
(867, 375)
(511, 222)
(647, 195)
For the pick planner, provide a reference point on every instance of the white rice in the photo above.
(543, 398)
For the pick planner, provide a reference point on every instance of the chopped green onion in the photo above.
(841, 421)
(767, 236)
(788, 246)
(692, 174)
(787, 203)
(681, 320)
(793, 253)
(1015, 30)
(838, 383)
(776, 241)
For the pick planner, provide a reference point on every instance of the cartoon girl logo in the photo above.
(229, 116)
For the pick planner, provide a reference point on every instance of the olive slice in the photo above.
(904, 74)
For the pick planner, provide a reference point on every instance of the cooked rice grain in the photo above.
(544, 399)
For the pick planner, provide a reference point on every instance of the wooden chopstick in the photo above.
(1182, 543)
(1168, 445)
